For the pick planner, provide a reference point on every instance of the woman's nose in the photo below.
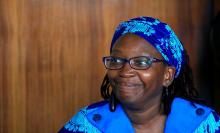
(126, 71)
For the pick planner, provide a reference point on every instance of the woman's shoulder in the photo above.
(189, 116)
(80, 122)
(98, 118)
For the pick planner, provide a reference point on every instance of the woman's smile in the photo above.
(125, 88)
(127, 84)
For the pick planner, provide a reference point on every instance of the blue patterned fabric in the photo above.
(210, 125)
(158, 34)
(184, 118)
(80, 124)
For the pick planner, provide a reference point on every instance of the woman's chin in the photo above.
(126, 99)
(127, 94)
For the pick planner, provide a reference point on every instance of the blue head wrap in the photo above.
(158, 34)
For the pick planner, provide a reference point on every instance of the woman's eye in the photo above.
(141, 63)
(116, 60)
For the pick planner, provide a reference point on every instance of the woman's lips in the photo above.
(124, 86)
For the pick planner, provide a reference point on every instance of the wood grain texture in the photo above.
(50, 53)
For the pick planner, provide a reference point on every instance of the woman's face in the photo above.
(133, 87)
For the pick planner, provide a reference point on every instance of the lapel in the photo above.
(184, 117)
(110, 122)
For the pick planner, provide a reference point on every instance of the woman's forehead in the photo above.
(134, 45)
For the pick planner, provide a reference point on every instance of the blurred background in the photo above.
(51, 54)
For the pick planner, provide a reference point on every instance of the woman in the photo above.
(151, 86)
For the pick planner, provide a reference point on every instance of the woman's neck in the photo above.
(147, 117)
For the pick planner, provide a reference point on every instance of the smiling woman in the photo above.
(152, 86)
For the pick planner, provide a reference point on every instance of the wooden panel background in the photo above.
(50, 53)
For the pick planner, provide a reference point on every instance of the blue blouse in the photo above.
(183, 118)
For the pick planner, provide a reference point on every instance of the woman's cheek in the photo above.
(146, 75)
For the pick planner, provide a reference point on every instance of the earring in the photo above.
(112, 102)
(166, 100)
(167, 92)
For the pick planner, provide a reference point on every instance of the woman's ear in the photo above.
(169, 75)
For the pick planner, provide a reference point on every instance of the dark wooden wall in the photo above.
(50, 53)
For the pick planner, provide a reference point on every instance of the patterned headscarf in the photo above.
(158, 34)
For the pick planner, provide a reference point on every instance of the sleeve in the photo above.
(79, 124)
(210, 125)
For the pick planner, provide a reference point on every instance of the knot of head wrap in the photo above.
(158, 34)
